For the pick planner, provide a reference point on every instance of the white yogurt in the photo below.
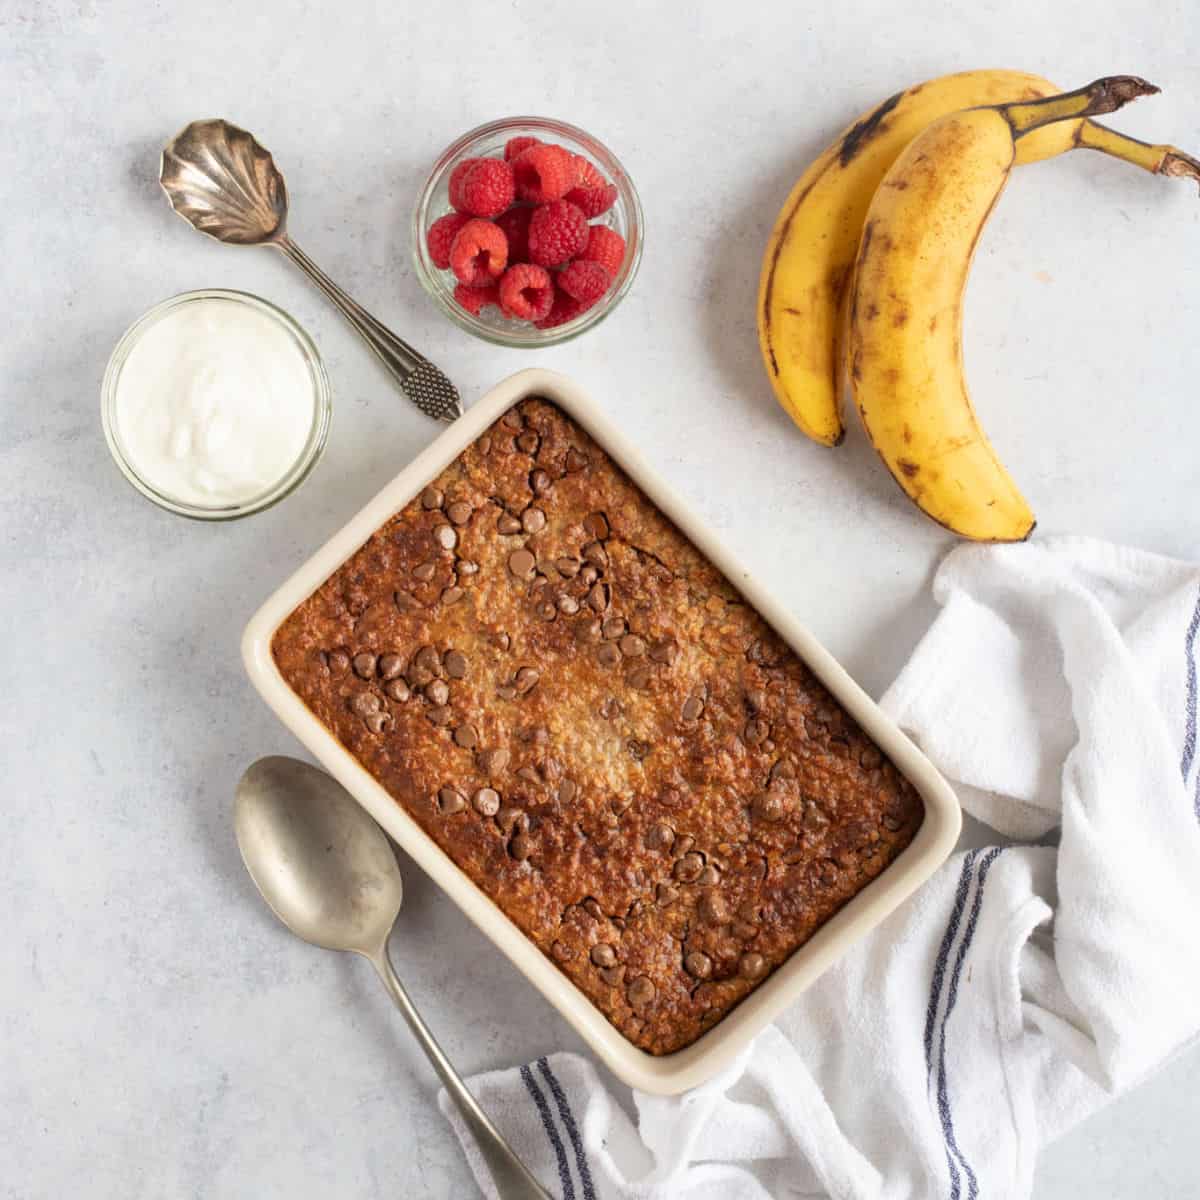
(215, 403)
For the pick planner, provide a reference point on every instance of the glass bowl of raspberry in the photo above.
(528, 232)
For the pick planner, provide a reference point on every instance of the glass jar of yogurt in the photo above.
(215, 404)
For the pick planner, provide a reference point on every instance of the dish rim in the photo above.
(694, 1064)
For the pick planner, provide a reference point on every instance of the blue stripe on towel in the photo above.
(564, 1171)
(943, 1098)
(568, 1120)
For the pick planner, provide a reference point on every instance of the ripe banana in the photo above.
(905, 350)
(806, 270)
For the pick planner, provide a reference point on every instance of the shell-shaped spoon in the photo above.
(221, 181)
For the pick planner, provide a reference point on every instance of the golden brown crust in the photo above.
(593, 725)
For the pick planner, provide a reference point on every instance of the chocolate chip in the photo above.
(512, 419)
(712, 908)
(365, 703)
(512, 820)
(503, 641)
(377, 722)
(768, 806)
(398, 690)
(533, 520)
(364, 665)
(632, 646)
(752, 966)
(709, 877)
(452, 595)
(507, 524)
(451, 800)
(539, 481)
(437, 691)
(390, 666)
(687, 869)
(640, 992)
(445, 537)
(486, 801)
(339, 661)
(639, 678)
(665, 894)
(485, 443)
(440, 714)
(596, 524)
(592, 907)
(466, 737)
(698, 964)
(684, 844)
(693, 706)
(576, 461)
(528, 442)
(493, 761)
(598, 597)
(663, 652)
(429, 660)
(613, 976)
(568, 605)
(406, 602)
(526, 680)
(603, 955)
(595, 554)
(466, 567)
(567, 791)
(613, 628)
(744, 931)
(425, 571)
(431, 498)
(521, 563)
(561, 952)
(869, 758)
(547, 611)
(506, 691)
(608, 655)
(660, 836)
(610, 708)
(567, 566)
(749, 910)
(459, 512)
(756, 731)
(520, 847)
(588, 575)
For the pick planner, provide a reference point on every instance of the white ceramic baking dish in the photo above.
(686, 1068)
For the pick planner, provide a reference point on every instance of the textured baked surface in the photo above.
(587, 718)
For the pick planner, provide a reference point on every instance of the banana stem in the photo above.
(1157, 159)
(1101, 96)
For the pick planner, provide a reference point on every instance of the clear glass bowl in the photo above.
(314, 445)
(625, 217)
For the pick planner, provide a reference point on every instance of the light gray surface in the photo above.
(160, 1034)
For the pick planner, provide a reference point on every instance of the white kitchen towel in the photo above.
(1023, 987)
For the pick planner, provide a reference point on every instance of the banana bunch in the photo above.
(864, 274)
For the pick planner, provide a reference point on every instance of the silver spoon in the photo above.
(223, 183)
(328, 873)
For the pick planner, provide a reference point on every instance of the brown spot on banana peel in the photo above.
(910, 469)
(907, 434)
(900, 319)
(863, 131)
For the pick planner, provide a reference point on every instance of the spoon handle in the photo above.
(418, 378)
(512, 1180)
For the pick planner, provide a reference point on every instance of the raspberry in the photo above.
(544, 173)
(587, 174)
(519, 145)
(565, 308)
(605, 246)
(515, 224)
(440, 234)
(457, 178)
(479, 253)
(584, 281)
(476, 299)
(487, 188)
(557, 232)
(593, 200)
(526, 292)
